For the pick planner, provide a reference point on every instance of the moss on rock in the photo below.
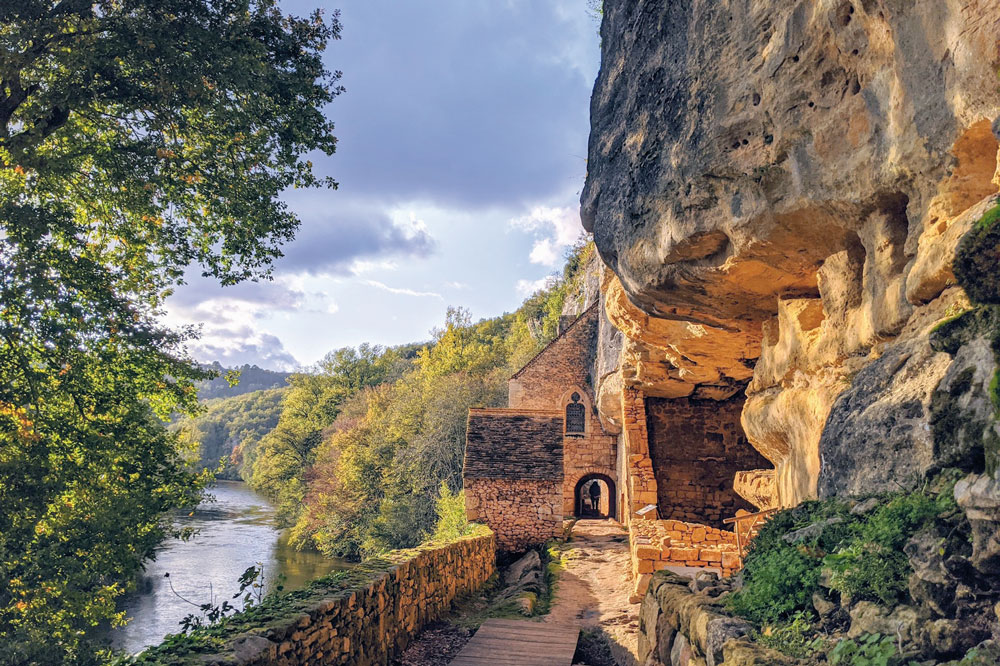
(977, 260)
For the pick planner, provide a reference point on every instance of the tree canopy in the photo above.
(138, 138)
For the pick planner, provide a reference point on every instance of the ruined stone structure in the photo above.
(697, 447)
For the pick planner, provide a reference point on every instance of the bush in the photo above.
(870, 650)
(864, 554)
(451, 519)
(793, 638)
(871, 564)
(780, 578)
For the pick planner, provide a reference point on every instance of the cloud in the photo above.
(352, 238)
(559, 227)
(468, 104)
(526, 288)
(229, 319)
(245, 345)
(402, 291)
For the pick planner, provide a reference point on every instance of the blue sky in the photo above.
(462, 144)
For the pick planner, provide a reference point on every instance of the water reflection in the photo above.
(235, 532)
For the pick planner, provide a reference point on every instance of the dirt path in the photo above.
(593, 589)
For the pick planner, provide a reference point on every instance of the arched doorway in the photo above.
(595, 497)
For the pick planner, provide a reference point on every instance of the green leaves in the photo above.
(137, 138)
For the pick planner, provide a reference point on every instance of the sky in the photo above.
(462, 142)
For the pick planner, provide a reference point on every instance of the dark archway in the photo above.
(606, 498)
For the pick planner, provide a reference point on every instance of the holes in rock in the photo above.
(768, 139)
(812, 104)
(854, 85)
(795, 58)
(845, 13)
(756, 99)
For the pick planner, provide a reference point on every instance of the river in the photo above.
(235, 532)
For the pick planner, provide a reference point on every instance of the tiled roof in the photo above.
(514, 444)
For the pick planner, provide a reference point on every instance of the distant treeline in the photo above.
(251, 378)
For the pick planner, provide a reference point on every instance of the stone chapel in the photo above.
(667, 474)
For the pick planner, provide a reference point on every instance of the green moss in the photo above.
(977, 260)
(863, 554)
(995, 391)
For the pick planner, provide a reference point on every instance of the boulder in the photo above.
(930, 584)
(979, 496)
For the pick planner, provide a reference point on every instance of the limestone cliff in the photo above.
(778, 189)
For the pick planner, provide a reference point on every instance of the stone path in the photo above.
(593, 590)
(520, 643)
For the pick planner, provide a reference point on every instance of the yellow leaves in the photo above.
(24, 425)
(192, 178)
(165, 153)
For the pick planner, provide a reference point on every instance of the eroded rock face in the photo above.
(787, 183)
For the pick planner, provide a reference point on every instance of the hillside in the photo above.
(249, 378)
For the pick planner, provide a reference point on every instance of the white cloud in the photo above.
(526, 288)
(362, 266)
(456, 285)
(559, 227)
(402, 291)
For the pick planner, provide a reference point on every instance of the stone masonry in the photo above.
(514, 474)
(697, 448)
(523, 463)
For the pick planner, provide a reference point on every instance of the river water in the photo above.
(235, 532)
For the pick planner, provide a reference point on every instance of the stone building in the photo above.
(534, 462)
(666, 470)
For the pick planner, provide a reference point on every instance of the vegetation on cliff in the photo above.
(121, 167)
(895, 564)
(229, 430)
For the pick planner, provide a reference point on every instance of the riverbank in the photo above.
(235, 531)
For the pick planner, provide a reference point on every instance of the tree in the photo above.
(137, 138)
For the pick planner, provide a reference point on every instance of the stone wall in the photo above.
(680, 627)
(513, 474)
(697, 448)
(590, 453)
(522, 512)
(361, 617)
(640, 482)
(660, 544)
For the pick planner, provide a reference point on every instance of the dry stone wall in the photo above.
(697, 447)
(360, 618)
(522, 512)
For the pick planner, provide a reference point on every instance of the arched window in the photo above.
(576, 415)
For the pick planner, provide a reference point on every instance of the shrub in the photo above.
(871, 564)
(793, 638)
(870, 650)
(451, 519)
(780, 578)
